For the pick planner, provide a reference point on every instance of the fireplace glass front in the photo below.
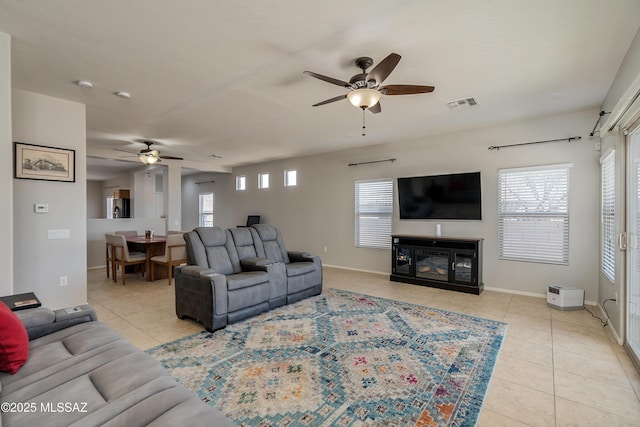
(432, 264)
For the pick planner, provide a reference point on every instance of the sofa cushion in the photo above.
(112, 382)
(14, 341)
(247, 279)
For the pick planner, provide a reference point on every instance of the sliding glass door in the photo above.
(633, 253)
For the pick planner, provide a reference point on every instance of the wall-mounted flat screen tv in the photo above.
(451, 196)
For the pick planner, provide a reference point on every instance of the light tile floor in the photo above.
(556, 368)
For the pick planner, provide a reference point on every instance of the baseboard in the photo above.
(486, 288)
(611, 329)
(510, 291)
(383, 273)
(97, 267)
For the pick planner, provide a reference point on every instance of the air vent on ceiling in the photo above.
(461, 104)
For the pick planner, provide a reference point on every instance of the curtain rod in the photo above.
(602, 113)
(498, 147)
(374, 161)
(205, 182)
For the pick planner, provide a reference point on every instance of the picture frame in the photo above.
(45, 163)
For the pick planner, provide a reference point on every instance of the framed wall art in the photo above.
(45, 163)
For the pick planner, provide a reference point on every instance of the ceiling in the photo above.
(226, 78)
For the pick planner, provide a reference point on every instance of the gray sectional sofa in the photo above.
(81, 373)
(240, 272)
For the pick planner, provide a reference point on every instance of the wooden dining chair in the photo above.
(175, 253)
(108, 253)
(122, 257)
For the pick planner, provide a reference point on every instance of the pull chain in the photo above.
(364, 127)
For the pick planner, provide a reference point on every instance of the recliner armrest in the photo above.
(257, 263)
(33, 317)
(299, 256)
(43, 321)
(197, 271)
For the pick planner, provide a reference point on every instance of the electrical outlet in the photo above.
(63, 281)
(325, 249)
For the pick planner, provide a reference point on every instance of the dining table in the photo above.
(151, 246)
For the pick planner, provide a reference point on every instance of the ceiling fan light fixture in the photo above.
(149, 158)
(364, 98)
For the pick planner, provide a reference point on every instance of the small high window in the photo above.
(263, 180)
(290, 178)
(241, 183)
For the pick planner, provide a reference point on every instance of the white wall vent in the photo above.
(462, 104)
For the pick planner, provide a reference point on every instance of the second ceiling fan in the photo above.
(365, 89)
(149, 156)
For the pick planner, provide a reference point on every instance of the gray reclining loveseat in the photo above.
(241, 272)
(80, 372)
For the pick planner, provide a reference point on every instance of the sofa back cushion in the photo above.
(219, 252)
(272, 243)
(243, 241)
(14, 341)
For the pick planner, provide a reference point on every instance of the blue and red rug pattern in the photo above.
(342, 359)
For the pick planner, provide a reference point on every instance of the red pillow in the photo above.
(14, 341)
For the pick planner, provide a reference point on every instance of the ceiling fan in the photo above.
(150, 156)
(364, 88)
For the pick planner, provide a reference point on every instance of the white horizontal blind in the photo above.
(608, 216)
(533, 214)
(373, 212)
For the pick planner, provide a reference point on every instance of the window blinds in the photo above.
(373, 213)
(533, 214)
(608, 216)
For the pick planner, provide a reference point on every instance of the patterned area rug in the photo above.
(342, 359)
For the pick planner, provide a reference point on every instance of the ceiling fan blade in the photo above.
(381, 71)
(376, 108)
(405, 89)
(327, 79)
(329, 101)
(171, 158)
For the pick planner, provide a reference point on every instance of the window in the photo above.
(533, 214)
(290, 178)
(263, 180)
(374, 210)
(206, 210)
(241, 183)
(608, 216)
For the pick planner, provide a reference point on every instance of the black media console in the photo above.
(438, 262)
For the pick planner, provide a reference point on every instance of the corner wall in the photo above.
(40, 262)
(6, 167)
(319, 212)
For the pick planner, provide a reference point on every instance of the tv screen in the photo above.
(451, 196)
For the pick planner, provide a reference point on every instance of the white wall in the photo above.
(39, 262)
(224, 213)
(95, 197)
(319, 212)
(6, 167)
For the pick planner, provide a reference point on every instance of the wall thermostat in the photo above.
(41, 208)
